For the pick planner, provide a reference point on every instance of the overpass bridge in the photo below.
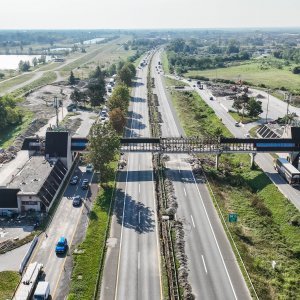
(190, 145)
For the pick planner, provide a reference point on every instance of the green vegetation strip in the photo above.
(90, 254)
(264, 231)
(47, 78)
(196, 116)
(8, 282)
(15, 81)
(165, 62)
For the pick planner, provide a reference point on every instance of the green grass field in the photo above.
(8, 135)
(8, 282)
(264, 231)
(15, 81)
(47, 78)
(251, 72)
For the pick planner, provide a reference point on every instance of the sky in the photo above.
(140, 14)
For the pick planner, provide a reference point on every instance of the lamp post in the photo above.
(267, 106)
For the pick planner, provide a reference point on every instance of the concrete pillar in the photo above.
(217, 160)
(252, 155)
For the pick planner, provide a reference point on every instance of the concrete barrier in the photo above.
(27, 255)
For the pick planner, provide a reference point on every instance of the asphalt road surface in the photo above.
(132, 266)
(65, 223)
(214, 272)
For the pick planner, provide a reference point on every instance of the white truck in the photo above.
(42, 291)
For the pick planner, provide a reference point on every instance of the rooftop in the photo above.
(32, 176)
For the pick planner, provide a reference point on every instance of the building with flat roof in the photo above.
(38, 182)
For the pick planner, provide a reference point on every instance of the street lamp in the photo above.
(267, 106)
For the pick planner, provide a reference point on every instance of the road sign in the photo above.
(232, 217)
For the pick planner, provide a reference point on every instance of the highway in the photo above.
(132, 265)
(214, 272)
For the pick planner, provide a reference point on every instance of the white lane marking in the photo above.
(121, 238)
(139, 260)
(204, 263)
(139, 217)
(139, 187)
(235, 297)
(184, 191)
(193, 221)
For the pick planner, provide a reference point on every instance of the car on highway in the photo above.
(61, 246)
(77, 200)
(89, 168)
(74, 180)
(85, 184)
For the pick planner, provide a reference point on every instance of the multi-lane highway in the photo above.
(132, 266)
(214, 272)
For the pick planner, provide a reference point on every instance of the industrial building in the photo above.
(38, 182)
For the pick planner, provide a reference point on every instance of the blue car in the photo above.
(61, 246)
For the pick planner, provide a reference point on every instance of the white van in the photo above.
(42, 291)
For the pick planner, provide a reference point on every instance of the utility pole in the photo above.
(268, 91)
(56, 106)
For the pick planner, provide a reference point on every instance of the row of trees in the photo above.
(10, 113)
(181, 63)
(24, 66)
(104, 138)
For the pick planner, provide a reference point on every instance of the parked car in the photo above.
(77, 200)
(237, 124)
(61, 246)
(85, 184)
(74, 180)
(211, 98)
(247, 135)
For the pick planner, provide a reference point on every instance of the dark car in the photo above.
(211, 98)
(77, 201)
(74, 180)
(85, 184)
(61, 246)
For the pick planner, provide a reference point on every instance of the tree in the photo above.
(2, 75)
(24, 66)
(132, 69)
(78, 96)
(253, 107)
(97, 74)
(125, 75)
(34, 61)
(117, 119)
(96, 91)
(103, 146)
(119, 98)
(112, 69)
(72, 79)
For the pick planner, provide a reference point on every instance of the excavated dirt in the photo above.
(40, 102)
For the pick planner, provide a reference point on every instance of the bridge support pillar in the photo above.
(217, 161)
(252, 155)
